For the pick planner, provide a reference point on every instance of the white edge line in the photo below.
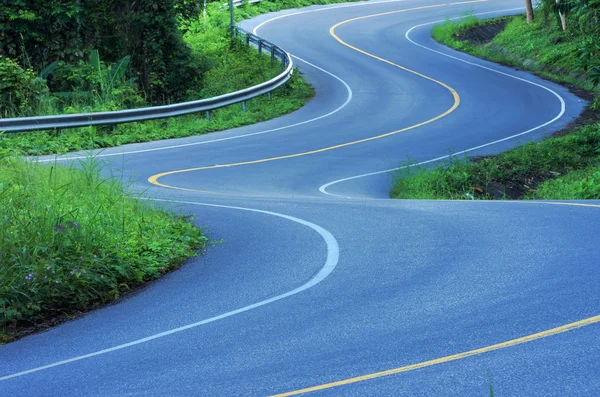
(333, 253)
(323, 188)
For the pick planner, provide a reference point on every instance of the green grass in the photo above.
(285, 100)
(522, 167)
(536, 47)
(448, 33)
(71, 240)
(557, 168)
(578, 185)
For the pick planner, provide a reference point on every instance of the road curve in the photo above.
(325, 286)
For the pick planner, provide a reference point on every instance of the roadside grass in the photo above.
(243, 62)
(285, 100)
(564, 167)
(578, 185)
(71, 240)
(535, 47)
(521, 170)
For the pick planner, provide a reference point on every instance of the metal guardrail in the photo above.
(161, 112)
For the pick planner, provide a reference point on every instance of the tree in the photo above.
(529, 10)
(36, 33)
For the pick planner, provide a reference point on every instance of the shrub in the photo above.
(21, 91)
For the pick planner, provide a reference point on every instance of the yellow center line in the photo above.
(513, 342)
(154, 179)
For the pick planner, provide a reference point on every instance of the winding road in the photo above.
(324, 285)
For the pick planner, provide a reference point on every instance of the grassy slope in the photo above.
(71, 240)
(558, 168)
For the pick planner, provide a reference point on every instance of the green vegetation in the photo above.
(97, 86)
(566, 167)
(285, 100)
(71, 240)
(98, 78)
(529, 46)
(38, 34)
(578, 185)
(516, 172)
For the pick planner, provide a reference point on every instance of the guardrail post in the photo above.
(272, 55)
(283, 60)
(260, 44)
(208, 114)
(247, 39)
(270, 95)
(244, 106)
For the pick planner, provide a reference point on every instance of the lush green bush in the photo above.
(285, 100)
(232, 67)
(71, 239)
(93, 86)
(37, 34)
(21, 90)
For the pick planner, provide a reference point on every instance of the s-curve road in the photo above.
(325, 286)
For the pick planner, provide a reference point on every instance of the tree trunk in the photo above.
(562, 15)
(529, 8)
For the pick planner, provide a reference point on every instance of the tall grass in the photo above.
(71, 239)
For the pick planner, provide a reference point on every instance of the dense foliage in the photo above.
(93, 85)
(20, 89)
(38, 33)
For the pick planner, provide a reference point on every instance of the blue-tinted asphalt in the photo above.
(415, 280)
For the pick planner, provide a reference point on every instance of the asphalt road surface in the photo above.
(322, 281)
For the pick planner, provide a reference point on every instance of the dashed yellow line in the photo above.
(154, 179)
(513, 342)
